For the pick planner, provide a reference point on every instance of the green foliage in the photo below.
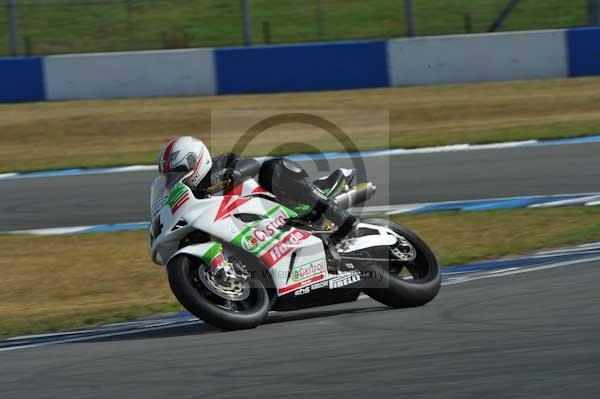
(52, 27)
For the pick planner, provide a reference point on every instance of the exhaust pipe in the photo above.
(356, 195)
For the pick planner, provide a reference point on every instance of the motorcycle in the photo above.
(232, 258)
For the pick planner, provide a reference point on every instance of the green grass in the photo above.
(58, 282)
(465, 237)
(194, 23)
(51, 322)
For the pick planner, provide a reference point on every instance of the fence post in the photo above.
(129, 10)
(506, 11)
(320, 22)
(593, 12)
(246, 28)
(12, 27)
(410, 18)
(468, 23)
(28, 46)
(266, 29)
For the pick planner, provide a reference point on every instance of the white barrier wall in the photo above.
(478, 58)
(304, 67)
(135, 74)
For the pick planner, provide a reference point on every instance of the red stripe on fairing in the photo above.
(269, 258)
(237, 190)
(302, 283)
(167, 155)
(180, 203)
(231, 200)
(181, 200)
(228, 205)
(259, 189)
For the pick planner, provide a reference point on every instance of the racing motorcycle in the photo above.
(236, 255)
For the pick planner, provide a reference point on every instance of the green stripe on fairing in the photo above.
(273, 210)
(237, 241)
(176, 194)
(270, 241)
(176, 198)
(211, 253)
(289, 212)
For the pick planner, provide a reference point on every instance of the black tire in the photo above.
(392, 289)
(202, 304)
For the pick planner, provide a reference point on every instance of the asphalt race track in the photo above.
(402, 179)
(529, 335)
(508, 334)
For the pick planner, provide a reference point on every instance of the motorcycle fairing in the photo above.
(210, 252)
(294, 258)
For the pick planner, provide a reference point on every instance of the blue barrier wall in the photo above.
(21, 80)
(305, 67)
(584, 51)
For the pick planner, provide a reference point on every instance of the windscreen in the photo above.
(158, 195)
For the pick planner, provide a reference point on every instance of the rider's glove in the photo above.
(226, 178)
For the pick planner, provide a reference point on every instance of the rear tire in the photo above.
(393, 290)
(202, 303)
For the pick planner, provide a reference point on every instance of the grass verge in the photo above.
(54, 135)
(59, 282)
(67, 26)
(464, 237)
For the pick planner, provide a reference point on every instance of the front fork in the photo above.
(212, 254)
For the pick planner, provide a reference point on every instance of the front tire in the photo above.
(391, 288)
(203, 303)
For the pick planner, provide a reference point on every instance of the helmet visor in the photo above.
(172, 178)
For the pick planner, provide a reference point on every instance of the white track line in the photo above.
(48, 335)
(328, 155)
(53, 231)
(575, 201)
(493, 274)
(590, 245)
(100, 336)
(522, 270)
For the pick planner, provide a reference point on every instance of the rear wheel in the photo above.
(413, 277)
(235, 305)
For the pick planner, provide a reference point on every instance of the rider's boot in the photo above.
(345, 222)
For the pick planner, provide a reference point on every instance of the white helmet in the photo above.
(184, 157)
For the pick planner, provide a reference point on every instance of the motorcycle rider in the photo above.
(187, 159)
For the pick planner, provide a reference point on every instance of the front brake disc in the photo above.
(234, 289)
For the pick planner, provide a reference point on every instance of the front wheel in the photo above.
(240, 305)
(413, 277)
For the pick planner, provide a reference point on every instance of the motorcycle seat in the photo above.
(334, 183)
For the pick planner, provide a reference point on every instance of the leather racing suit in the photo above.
(285, 179)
